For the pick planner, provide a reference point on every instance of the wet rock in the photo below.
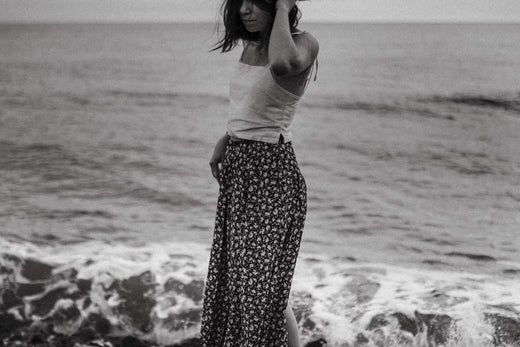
(318, 343)
(16, 337)
(85, 334)
(28, 289)
(193, 342)
(44, 305)
(9, 299)
(103, 326)
(5, 270)
(360, 338)
(12, 258)
(39, 328)
(438, 326)
(60, 340)
(131, 341)
(507, 330)
(84, 286)
(308, 324)
(37, 340)
(9, 325)
(67, 274)
(34, 270)
(136, 301)
(98, 323)
(66, 315)
(377, 321)
(86, 302)
(138, 284)
(193, 290)
(406, 323)
(183, 320)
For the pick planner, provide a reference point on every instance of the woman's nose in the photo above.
(245, 7)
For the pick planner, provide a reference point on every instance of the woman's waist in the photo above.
(281, 140)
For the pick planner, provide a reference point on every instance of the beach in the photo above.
(408, 141)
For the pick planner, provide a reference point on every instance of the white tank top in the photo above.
(260, 109)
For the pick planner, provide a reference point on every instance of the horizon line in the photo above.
(432, 21)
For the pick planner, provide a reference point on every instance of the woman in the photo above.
(262, 200)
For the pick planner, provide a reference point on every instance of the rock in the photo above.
(27, 289)
(406, 323)
(66, 315)
(135, 300)
(12, 258)
(360, 338)
(138, 284)
(86, 302)
(62, 341)
(103, 326)
(193, 342)
(507, 330)
(9, 325)
(193, 290)
(84, 286)
(131, 341)
(318, 343)
(377, 321)
(308, 324)
(9, 299)
(44, 305)
(34, 270)
(98, 323)
(37, 340)
(182, 320)
(438, 326)
(85, 334)
(5, 270)
(16, 337)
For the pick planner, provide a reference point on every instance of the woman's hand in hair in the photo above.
(215, 162)
(285, 4)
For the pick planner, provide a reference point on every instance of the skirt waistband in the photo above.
(234, 139)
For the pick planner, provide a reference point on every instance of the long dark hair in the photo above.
(234, 28)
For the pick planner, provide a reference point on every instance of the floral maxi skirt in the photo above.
(259, 223)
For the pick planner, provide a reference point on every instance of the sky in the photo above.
(207, 10)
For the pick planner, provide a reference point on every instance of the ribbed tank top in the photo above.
(260, 109)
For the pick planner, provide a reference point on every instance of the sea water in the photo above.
(408, 141)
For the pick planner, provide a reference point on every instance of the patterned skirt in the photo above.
(259, 223)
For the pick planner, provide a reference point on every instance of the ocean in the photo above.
(408, 141)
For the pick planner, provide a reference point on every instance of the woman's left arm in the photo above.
(288, 56)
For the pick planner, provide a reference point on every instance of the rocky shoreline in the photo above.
(53, 307)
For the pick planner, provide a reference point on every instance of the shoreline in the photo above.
(96, 303)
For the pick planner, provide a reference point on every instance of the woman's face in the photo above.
(257, 15)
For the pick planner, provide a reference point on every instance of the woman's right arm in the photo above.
(215, 162)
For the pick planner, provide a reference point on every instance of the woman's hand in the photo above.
(215, 162)
(285, 4)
